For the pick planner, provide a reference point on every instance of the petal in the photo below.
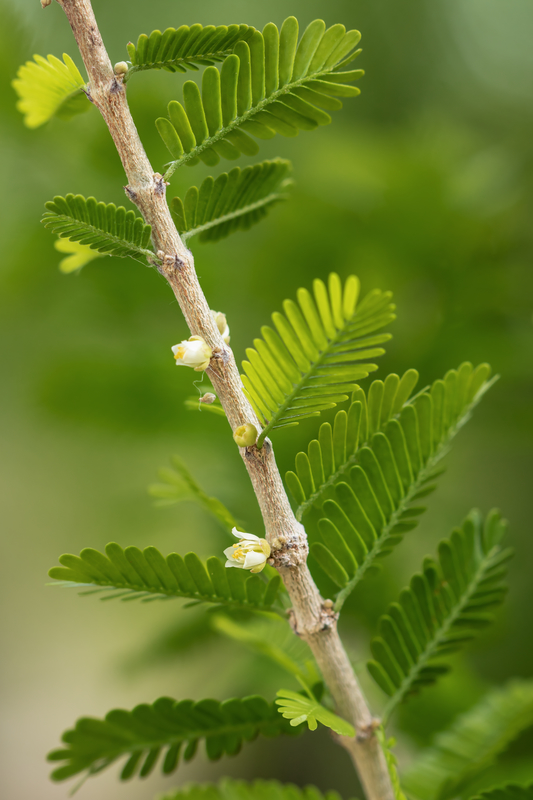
(228, 552)
(254, 559)
(234, 564)
(236, 533)
(249, 537)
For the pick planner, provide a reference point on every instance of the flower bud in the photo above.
(121, 68)
(220, 321)
(208, 398)
(193, 352)
(245, 435)
(45, 3)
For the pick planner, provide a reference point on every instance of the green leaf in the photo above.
(472, 743)
(185, 48)
(179, 484)
(163, 729)
(132, 574)
(229, 789)
(321, 347)
(442, 609)
(380, 458)
(232, 202)
(270, 84)
(78, 255)
(510, 792)
(104, 228)
(276, 640)
(298, 709)
(49, 87)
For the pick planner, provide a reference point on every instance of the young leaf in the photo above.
(232, 202)
(510, 792)
(298, 709)
(443, 608)
(381, 456)
(49, 87)
(472, 743)
(78, 255)
(320, 349)
(185, 48)
(180, 485)
(164, 729)
(268, 85)
(104, 228)
(132, 574)
(229, 789)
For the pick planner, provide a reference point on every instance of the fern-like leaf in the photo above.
(232, 202)
(298, 709)
(379, 458)
(76, 255)
(320, 349)
(229, 789)
(166, 726)
(472, 743)
(441, 610)
(179, 485)
(132, 574)
(105, 228)
(270, 84)
(185, 48)
(510, 792)
(49, 87)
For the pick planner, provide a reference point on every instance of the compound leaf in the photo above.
(472, 744)
(275, 639)
(318, 351)
(179, 484)
(379, 458)
(185, 48)
(268, 85)
(229, 789)
(234, 201)
(104, 228)
(49, 87)
(132, 574)
(164, 729)
(442, 609)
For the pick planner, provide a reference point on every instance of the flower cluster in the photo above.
(250, 552)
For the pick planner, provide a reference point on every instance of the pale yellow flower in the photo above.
(193, 352)
(250, 552)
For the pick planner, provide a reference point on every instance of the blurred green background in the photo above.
(423, 185)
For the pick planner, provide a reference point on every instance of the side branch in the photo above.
(313, 619)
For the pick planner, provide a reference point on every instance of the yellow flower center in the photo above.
(180, 352)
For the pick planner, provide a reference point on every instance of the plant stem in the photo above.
(312, 619)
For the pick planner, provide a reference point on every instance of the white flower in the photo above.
(193, 352)
(220, 321)
(250, 552)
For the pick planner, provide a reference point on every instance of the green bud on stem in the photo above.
(245, 435)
